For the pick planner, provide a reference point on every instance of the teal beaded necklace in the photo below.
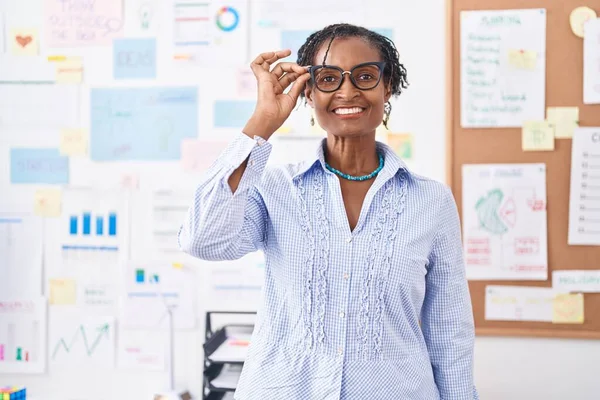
(357, 178)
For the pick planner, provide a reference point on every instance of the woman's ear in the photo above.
(388, 93)
(308, 94)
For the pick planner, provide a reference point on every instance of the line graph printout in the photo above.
(81, 341)
(584, 201)
(150, 288)
(142, 123)
(504, 221)
(93, 226)
(23, 335)
(20, 254)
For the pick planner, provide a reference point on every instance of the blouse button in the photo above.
(346, 276)
(342, 314)
(340, 351)
(349, 239)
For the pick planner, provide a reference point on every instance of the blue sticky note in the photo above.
(134, 58)
(38, 166)
(142, 123)
(387, 32)
(232, 113)
(293, 40)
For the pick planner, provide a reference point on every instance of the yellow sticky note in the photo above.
(24, 42)
(402, 143)
(522, 59)
(578, 18)
(48, 202)
(537, 136)
(73, 142)
(177, 265)
(69, 70)
(63, 291)
(564, 120)
(284, 129)
(568, 309)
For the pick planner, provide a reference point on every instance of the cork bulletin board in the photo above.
(564, 87)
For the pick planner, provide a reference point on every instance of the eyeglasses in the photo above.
(329, 78)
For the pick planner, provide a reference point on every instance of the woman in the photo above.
(365, 295)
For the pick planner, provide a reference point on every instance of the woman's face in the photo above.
(348, 111)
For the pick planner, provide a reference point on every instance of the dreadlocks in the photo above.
(394, 73)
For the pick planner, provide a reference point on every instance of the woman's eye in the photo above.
(365, 77)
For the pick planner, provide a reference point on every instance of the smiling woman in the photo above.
(365, 295)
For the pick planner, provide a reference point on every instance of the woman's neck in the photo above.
(353, 156)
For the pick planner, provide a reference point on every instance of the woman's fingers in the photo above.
(287, 67)
(264, 60)
(298, 87)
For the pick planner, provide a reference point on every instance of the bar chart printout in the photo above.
(22, 335)
(92, 226)
(584, 201)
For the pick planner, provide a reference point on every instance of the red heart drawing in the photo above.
(24, 40)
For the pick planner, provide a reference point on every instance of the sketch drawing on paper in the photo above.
(504, 221)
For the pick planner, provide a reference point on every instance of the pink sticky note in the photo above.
(246, 83)
(82, 23)
(130, 181)
(198, 155)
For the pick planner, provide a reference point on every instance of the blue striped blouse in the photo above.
(380, 312)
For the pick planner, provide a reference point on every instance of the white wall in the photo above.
(505, 368)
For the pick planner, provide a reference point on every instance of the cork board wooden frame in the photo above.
(564, 87)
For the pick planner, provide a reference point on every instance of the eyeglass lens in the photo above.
(364, 77)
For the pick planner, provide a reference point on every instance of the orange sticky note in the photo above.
(73, 142)
(522, 59)
(24, 42)
(48, 202)
(568, 309)
(62, 291)
(198, 155)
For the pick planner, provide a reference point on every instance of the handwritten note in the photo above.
(519, 303)
(591, 62)
(73, 142)
(522, 59)
(500, 85)
(584, 281)
(402, 143)
(82, 22)
(198, 155)
(537, 136)
(69, 70)
(568, 309)
(48, 202)
(62, 291)
(38, 166)
(580, 16)
(134, 58)
(142, 123)
(24, 42)
(564, 120)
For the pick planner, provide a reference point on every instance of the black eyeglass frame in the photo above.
(380, 64)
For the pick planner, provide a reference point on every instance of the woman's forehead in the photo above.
(347, 52)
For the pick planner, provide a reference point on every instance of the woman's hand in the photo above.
(274, 106)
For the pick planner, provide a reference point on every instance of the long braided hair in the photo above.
(394, 73)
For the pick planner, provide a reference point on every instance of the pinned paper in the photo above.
(198, 155)
(48, 202)
(69, 70)
(568, 309)
(24, 42)
(402, 144)
(537, 136)
(522, 59)
(63, 291)
(564, 120)
(578, 18)
(73, 142)
(130, 181)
